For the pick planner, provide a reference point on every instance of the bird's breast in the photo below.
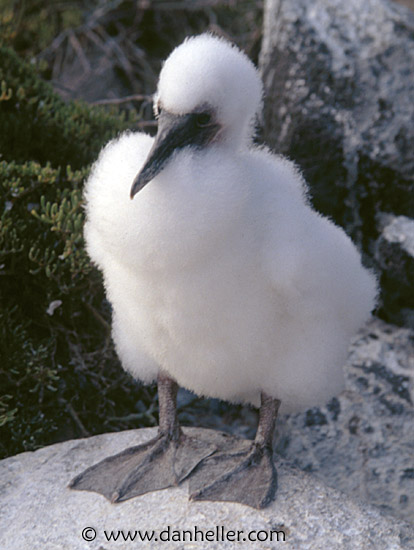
(188, 214)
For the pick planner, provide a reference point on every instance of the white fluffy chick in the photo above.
(222, 277)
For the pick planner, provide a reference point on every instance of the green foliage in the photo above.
(41, 226)
(30, 26)
(60, 377)
(38, 125)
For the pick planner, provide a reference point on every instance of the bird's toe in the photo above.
(247, 475)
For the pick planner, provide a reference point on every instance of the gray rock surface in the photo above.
(38, 511)
(339, 102)
(363, 442)
(400, 230)
(394, 254)
(339, 86)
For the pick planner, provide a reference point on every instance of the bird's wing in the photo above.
(305, 255)
(107, 193)
(283, 219)
(311, 263)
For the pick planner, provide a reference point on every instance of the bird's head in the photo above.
(208, 92)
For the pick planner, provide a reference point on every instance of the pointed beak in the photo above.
(174, 132)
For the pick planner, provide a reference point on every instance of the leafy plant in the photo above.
(60, 377)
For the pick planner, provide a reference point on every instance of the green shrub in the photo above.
(30, 27)
(60, 377)
(36, 124)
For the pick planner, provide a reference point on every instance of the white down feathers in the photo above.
(219, 272)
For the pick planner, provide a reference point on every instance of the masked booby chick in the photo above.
(222, 278)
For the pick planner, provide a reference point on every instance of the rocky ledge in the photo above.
(38, 511)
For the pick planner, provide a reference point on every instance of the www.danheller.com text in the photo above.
(219, 533)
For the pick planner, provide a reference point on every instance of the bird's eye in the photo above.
(203, 119)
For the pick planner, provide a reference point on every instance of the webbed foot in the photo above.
(160, 463)
(244, 474)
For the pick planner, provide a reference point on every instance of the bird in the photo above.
(222, 277)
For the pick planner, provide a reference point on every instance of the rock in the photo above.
(339, 88)
(39, 511)
(394, 254)
(363, 441)
(338, 81)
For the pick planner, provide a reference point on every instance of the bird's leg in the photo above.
(244, 473)
(162, 462)
(267, 421)
(167, 402)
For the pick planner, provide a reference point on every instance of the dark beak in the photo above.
(174, 132)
